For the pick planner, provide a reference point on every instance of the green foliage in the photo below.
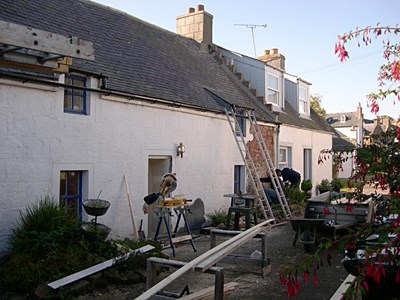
(43, 226)
(336, 184)
(324, 186)
(217, 217)
(315, 103)
(296, 196)
(47, 244)
(306, 185)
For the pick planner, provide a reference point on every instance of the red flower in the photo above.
(374, 107)
(348, 208)
(315, 279)
(306, 274)
(326, 210)
(340, 50)
(282, 279)
(364, 284)
(396, 70)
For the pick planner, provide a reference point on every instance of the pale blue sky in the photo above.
(304, 31)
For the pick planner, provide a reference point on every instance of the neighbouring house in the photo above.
(302, 133)
(355, 131)
(350, 125)
(89, 94)
(350, 129)
(382, 124)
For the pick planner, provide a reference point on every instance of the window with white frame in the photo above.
(239, 179)
(285, 157)
(273, 89)
(307, 171)
(75, 98)
(303, 100)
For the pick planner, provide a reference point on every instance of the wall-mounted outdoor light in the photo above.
(180, 149)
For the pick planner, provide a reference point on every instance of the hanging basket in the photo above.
(96, 207)
(95, 231)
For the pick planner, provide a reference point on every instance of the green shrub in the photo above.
(336, 184)
(296, 196)
(47, 244)
(44, 227)
(324, 186)
(306, 185)
(217, 217)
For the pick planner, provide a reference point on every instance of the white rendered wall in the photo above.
(347, 167)
(117, 138)
(347, 131)
(300, 139)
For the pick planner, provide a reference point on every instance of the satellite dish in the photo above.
(168, 185)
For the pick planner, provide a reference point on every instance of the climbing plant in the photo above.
(377, 163)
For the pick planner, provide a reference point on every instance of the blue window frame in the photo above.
(71, 192)
(75, 98)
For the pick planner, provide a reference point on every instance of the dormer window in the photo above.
(303, 100)
(343, 118)
(273, 89)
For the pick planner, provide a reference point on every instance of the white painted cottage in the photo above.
(73, 128)
(91, 94)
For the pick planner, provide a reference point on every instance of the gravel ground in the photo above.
(251, 285)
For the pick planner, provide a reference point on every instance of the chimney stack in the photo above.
(196, 24)
(274, 58)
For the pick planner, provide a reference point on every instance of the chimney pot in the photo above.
(196, 25)
(274, 50)
(266, 52)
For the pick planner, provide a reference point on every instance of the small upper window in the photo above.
(75, 98)
(303, 101)
(241, 122)
(285, 157)
(273, 89)
(343, 118)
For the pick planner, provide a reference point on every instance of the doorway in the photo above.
(158, 166)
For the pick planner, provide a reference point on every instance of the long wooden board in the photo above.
(249, 233)
(208, 293)
(96, 268)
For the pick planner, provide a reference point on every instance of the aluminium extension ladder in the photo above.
(276, 183)
(251, 168)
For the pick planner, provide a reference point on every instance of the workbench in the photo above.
(241, 204)
(263, 261)
(163, 212)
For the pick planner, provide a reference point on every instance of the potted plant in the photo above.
(306, 187)
(336, 185)
(324, 186)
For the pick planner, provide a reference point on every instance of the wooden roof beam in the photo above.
(36, 39)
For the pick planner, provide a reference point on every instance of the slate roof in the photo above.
(315, 122)
(334, 119)
(137, 57)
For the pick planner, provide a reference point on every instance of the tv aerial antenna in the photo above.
(252, 27)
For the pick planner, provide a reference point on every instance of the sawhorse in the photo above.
(162, 213)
